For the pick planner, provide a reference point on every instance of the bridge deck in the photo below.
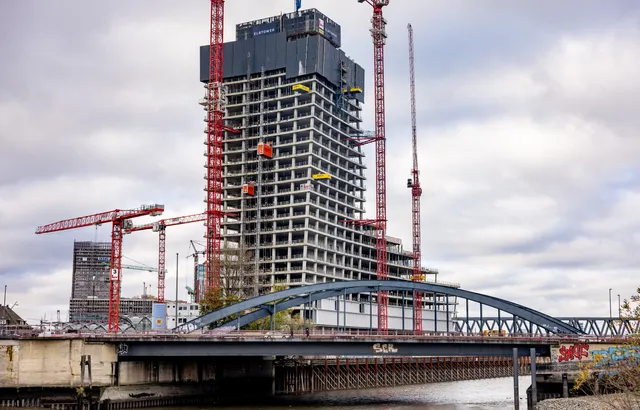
(328, 345)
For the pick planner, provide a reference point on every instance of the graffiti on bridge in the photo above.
(384, 348)
(576, 351)
(601, 353)
(613, 355)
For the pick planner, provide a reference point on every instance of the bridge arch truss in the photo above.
(596, 326)
(250, 310)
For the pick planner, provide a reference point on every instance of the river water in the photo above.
(489, 394)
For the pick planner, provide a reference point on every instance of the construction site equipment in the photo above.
(117, 218)
(198, 282)
(352, 90)
(191, 293)
(216, 101)
(265, 150)
(249, 188)
(342, 86)
(379, 35)
(134, 267)
(160, 227)
(416, 192)
(300, 87)
(231, 129)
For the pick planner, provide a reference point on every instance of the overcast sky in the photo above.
(527, 123)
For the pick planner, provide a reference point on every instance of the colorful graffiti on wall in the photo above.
(616, 355)
(576, 351)
(582, 352)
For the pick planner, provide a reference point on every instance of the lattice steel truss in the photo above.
(596, 326)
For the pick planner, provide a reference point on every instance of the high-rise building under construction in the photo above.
(293, 170)
(91, 270)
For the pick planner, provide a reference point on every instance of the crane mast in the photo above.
(197, 284)
(416, 192)
(215, 110)
(378, 32)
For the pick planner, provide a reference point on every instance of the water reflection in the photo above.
(489, 394)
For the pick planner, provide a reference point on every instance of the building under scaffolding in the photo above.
(90, 277)
(293, 172)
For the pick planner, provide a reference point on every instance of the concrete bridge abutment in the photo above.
(71, 371)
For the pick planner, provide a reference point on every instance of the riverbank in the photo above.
(608, 401)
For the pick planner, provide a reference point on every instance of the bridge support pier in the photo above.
(307, 375)
(235, 375)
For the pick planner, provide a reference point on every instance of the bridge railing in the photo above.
(327, 335)
(330, 334)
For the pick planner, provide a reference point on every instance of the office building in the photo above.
(89, 310)
(90, 277)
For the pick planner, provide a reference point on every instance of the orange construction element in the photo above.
(249, 189)
(265, 150)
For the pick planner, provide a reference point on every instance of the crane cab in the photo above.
(409, 183)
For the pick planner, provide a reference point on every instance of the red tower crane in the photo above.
(379, 35)
(117, 217)
(416, 192)
(160, 227)
(215, 126)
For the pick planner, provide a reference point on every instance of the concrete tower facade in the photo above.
(91, 270)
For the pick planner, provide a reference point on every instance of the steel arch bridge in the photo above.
(271, 303)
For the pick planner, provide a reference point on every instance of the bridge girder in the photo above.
(299, 295)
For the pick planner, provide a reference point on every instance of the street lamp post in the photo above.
(93, 299)
(4, 310)
(177, 285)
(619, 308)
(610, 311)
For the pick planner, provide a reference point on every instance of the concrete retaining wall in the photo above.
(56, 363)
(163, 371)
(53, 362)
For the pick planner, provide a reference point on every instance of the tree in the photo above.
(236, 279)
(236, 270)
(215, 299)
(283, 321)
(617, 368)
(238, 273)
(236, 285)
